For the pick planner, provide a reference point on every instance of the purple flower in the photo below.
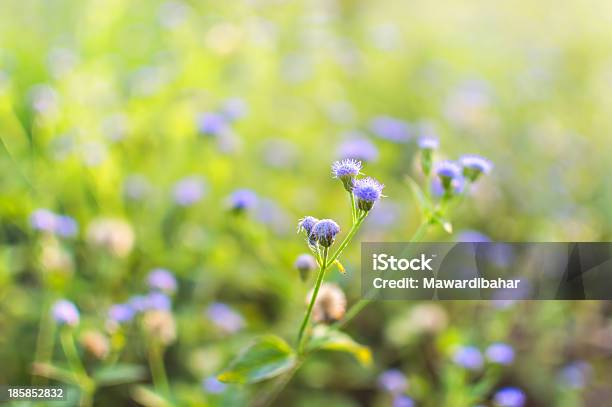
(393, 381)
(510, 397)
(468, 357)
(576, 374)
(402, 401)
(390, 129)
(367, 191)
(428, 143)
(474, 166)
(324, 232)
(225, 318)
(472, 236)
(65, 313)
(358, 149)
(157, 301)
(234, 109)
(138, 303)
(212, 385)
(212, 124)
(448, 172)
(43, 219)
(346, 171)
(188, 191)
(305, 263)
(121, 313)
(65, 226)
(500, 353)
(162, 280)
(242, 200)
(306, 224)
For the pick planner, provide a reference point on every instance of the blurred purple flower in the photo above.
(121, 313)
(472, 236)
(43, 219)
(138, 303)
(428, 143)
(391, 129)
(468, 357)
(393, 381)
(242, 200)
(65, 312)
(212, 124)
(358, 149)
(224, 317)
(576, 374)
(189, 190)
(158, 301)
(448, 169)
(500, 353)
(403, 401)
(279, 153)
(510, 397)
(162, 280)
(65, 226)
(212, 385)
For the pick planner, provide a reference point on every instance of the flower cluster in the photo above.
(45, 220)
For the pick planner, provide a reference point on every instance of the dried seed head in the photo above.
(330, 304)
(160, 325)
(95, 343)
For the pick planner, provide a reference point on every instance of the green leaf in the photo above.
(119, 374)
(267, 357)
(422, 201)
(324, 338)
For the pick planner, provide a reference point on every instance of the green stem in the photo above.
(86, 384)
(317, 286)
(44, 341)
(353, 212)
(158, 371)
(420, 232)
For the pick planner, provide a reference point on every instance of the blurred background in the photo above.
(130, 131)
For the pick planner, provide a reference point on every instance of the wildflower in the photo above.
(242, 200)
(576, 374)
(324, 232)
(65, 313)
(402, 401)
(305, 263)
(367, 191)
(212, 385)
(160, 324)
(472, 236)
(468, 357)
(427, 144)
(393, 381)
(358, 149)
(225, 318)
(474, 166)
(162, 280)
(157, 301)
(391, 129)
(121, 313)
(43, 220)
(448, 172)
(188, 191)
(330, 304)
(65, 226)
(346, 171)
(212, 124)
(95, 343)
(114, 235)
(306, 224)
(500, 353)
(510, 397)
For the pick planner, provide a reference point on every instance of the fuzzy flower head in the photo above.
(242, 200)
(160, 324)
(346, 171)
(403, 401)
(391, 129)
(330, 304)
(65, 313)
(212, 124)
(324, 232)
(393, 381)
(474, 166)
(162, 280)
(121, 313)
(428, 143)
(305, 264)
(188, 191)
(468, 357)
(510, 397)
(500, 353)
(306, 224)
(225, 318)
(448, 172)
(576, 375)
(367, 191)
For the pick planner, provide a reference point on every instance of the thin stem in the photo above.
(353, 212)
(158, 371)
(317, 286)
(420, 232)
(86, 384)
(348, 238)
(44, 341)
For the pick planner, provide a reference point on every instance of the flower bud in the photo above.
(96, 344)
(448, 171)
(65, 313)
(305, 263)
(474, 166)
(330, 304)
(367, 191)
(306, 224)
(324, 232)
